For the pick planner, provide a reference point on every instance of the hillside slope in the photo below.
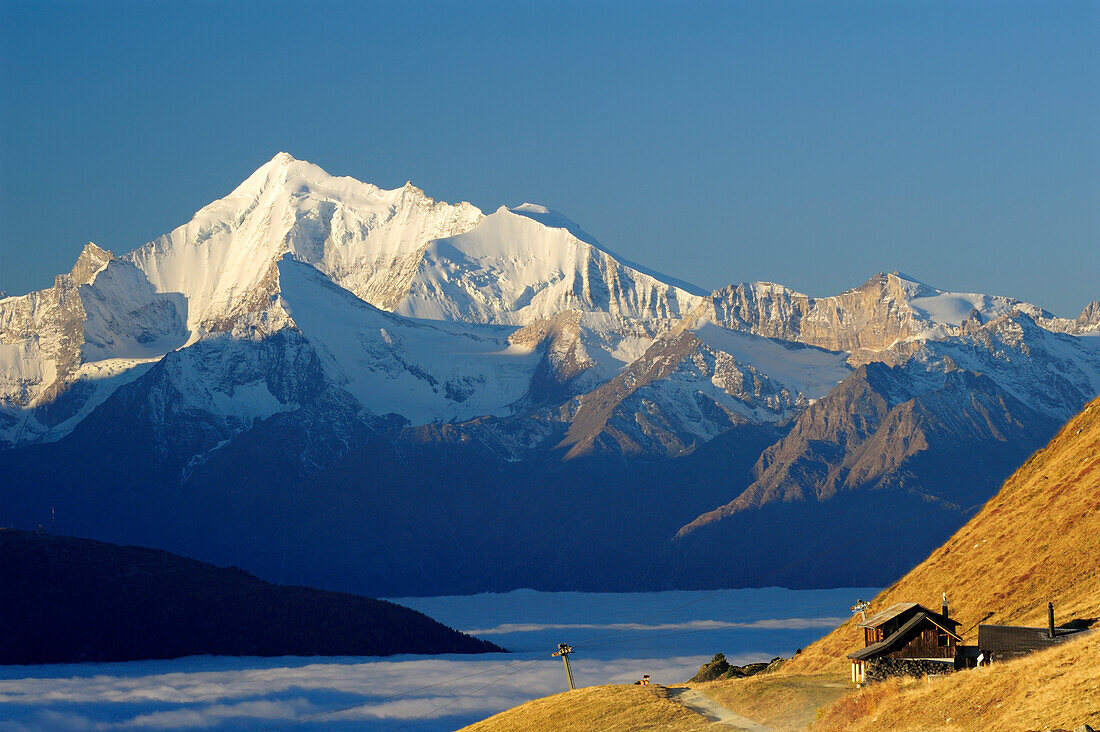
(1056, 688)
(64, 599)
(601, 709)
(1036, 541)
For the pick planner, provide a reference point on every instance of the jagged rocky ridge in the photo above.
(314, 370)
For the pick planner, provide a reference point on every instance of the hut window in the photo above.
(941, 638)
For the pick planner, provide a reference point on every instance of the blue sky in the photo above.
(808, 143)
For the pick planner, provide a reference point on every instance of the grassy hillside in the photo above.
(1036, 541)
(600, 709)
(64, 599)
(782, 702)
(1055, 688)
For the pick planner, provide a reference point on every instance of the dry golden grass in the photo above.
(783, 702)
(599, 709)
(1058, 687)
(1035, 541)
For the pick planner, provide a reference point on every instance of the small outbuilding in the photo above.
(907, 635)
(1001, 642)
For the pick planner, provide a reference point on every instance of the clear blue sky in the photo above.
(808, 143)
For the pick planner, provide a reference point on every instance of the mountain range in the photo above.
(329, 383)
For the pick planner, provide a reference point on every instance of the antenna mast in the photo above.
(564, 649)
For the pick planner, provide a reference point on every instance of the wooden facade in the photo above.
(931, 642)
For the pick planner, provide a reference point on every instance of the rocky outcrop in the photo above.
(64, 349)
(44, 332)
(1090, 316)
(713, 670)
(719, 668)
(877, 321)
(862, 321)
(565, 358)
(692, 384)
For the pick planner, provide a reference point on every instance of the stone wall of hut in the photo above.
(881, 669)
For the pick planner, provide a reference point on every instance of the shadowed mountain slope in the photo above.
(64, 599)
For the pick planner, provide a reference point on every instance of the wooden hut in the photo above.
(906, 630)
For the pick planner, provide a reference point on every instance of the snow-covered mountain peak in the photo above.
(557, 220)
(867, 320)
(907, 282)
(91, 262)
(533, 208)
(513, 268)
(287, 177)
(510, 235)
(1090, 315)
(907, 277)
(273, 169)
(364, 238)
(553, 219)
(935, 312)
(399, 250)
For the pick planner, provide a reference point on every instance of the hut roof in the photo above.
(899, 608)
(900, 636)
(1017, 639)
(888, 614)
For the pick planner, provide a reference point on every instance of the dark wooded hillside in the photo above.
(64, 599)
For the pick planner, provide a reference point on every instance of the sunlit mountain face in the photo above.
(329, 383)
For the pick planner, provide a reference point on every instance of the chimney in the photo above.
(945, 604)
(1050, 618)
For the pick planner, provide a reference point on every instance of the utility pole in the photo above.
(564, 649)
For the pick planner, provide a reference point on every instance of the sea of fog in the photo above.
(616, 638)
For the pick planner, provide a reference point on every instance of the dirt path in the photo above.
(714, 711)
